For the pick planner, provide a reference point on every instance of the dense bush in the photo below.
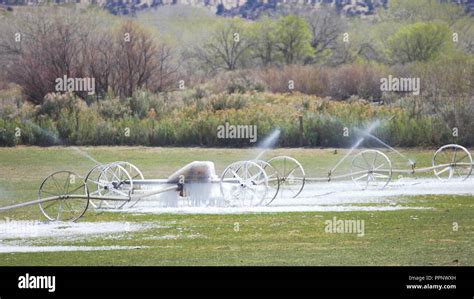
(195, 122)
(340, 83)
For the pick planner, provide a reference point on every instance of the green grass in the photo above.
(403, 237)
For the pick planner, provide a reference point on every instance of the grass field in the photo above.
(402, 237)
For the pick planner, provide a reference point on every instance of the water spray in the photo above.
(368, 134)
(371, 127)
(268, 142)
(59, 141)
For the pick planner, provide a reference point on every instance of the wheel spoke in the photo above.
(454, 155)
(374, 173)
(380, 166)
(95, 193)
(375, 159)
(461, 159)
(47, 192)
(76, 189)
(365, 160)
(367, 181)
(119, 192)
(456, 170)
(236, 175)
(66, 185)
(255, 176)
(293, 192)
(50, 204)
(57, 184)
(101, 183)
(361, 177)
(60, 210)
(67, 204)
(446, 157)
(114, 175)
(293, 170)
(443, 170)
(379, 175)
(360, 167)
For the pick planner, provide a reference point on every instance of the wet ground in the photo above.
(322, 196)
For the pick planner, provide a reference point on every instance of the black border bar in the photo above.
(205, 282)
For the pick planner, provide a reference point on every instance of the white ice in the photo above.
(321, 196)
(22, 236)
(27, 248)
(10, 228)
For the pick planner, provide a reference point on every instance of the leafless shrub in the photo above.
(49, 47)
(361, 80)
(61, 43)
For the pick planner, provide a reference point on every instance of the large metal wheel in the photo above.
(452, 161)
(371, 168)
(135, 174)
(110, 180)
(244, 184)
(291, 175)
(132, 170)
(73, 196)
(94, 185)
(273, 180)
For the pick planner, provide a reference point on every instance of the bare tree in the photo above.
(50, 46)
(59, 42)
(326, 26)
(167, 71)
(136, 59)
(227, 47)
(100, 62)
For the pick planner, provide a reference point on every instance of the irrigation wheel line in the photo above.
(374, 168)
(67, 206)
(272, 177)
(244, 184)
(290, 173)
(273, 181)
(93, 179)
(377, 167)
(134, 173)
(109, 180)
(458, 157)
(65, 196)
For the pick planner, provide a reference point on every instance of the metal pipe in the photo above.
(412, 171)
(336, 176)
(173, 188)
(30, 203)
(426, 169)
(88, 197)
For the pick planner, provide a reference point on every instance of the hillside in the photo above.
(249, 9)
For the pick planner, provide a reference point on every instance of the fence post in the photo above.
(301, 130)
